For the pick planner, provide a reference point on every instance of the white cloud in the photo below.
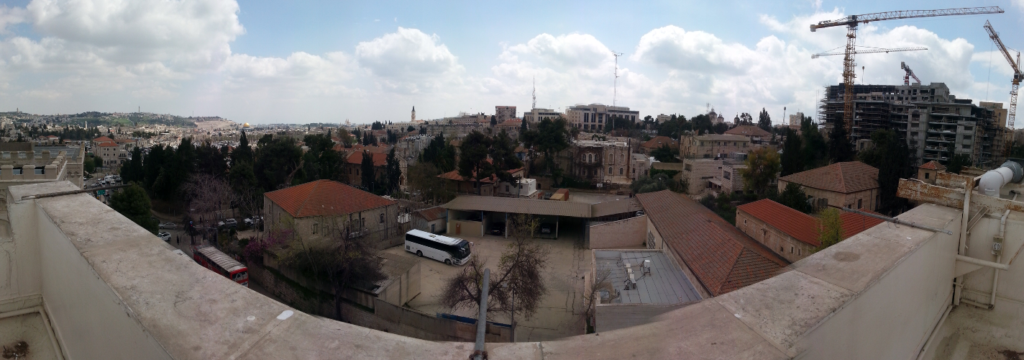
(406, 53)
(567, 51)
(10, 16)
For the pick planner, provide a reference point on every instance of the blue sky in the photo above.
(328, 61)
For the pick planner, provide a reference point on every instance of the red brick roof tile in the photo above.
(800, 226)
(325, 198)
(658, 141)
(719, 255)
(357, 158)
(932, 165)
(845, 177)
(431, 214)
(748, 130)
(854, 223)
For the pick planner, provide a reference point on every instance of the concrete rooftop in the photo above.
(665, 285)
(114, 291)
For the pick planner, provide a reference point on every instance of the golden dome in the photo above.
(246, 125)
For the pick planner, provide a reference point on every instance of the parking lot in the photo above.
(561, 311)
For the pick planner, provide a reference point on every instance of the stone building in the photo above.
(927, 117)
(314, 209)
(504, 113)
(594, 116)
(599, 161)
(353, 166)
(713, 146)
(790, 233)
(851, 184)
(928, 171)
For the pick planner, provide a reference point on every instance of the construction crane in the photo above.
(1012, 112)
(910, 74)
(851, 22)
(872, 50)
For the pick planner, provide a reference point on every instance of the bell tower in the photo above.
(413, 114)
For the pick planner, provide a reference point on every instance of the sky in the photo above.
(330, 61)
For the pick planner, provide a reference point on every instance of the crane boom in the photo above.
(851, 22)
(910, 73)
(1011, 113)
(905, 14)
(869, 51)
(1002, 48)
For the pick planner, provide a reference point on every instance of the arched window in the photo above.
(381, 218)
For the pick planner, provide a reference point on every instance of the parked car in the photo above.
(252, 221)
(547, 229)
(167, 225)
(165, 236)
(229, 224)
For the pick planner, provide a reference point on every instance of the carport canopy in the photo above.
(520, 206)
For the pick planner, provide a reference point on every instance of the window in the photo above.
(381, 218)
(859, 203)
(506, 188)
(620, 171)
(38, 171)
(926, 176)
(316, 227)
(609, 170)
(790, 249)
(17, 171)
(726, 175)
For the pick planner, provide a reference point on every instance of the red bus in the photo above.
(213, 259)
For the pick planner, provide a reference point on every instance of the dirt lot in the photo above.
(561, 310)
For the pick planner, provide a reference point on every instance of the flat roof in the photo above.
(520, 206)
(665, 285)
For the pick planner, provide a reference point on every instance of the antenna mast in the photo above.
(534, 93)
(615, 88)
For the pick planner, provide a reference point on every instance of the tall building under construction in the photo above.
(927, 117)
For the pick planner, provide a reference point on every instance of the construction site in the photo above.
(934, 123)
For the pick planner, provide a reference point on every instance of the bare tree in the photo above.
(207, 194)
(600, 284)
(520, 273)
(341, 261)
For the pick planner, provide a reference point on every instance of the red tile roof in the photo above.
(932, 165)
(357, 158)
(854, 223)
(748, 130)
(102, 139)
(658, 141)
(324, 197)
(845, 177)
(721, 256)
(431, 214)
(106, 144)
(800, 226)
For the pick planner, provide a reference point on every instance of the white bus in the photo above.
(451, 251)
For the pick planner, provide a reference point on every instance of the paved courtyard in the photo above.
(561, 311)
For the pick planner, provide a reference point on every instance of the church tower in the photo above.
(413, 114)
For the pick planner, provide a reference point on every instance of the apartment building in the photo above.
(536, 115)
(602, 161)
(593, 116)
(504, 113)
(927, 117)
(713, 146)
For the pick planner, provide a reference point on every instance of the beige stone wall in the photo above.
(465, 227)
(779, 242)
(698, 172)
(622, 234)
(313, 229)
(868, 198)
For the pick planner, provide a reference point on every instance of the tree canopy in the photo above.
(762, 166)
(133, 203)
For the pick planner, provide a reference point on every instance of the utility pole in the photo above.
(615, 88)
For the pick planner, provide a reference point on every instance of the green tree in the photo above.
(276, 159)
(367, 173)
(503, 155)
(764, 121)
(763, 166)
(895, 165)
(494, 120)
(815, 149)
(956, 162)
(664, 154)
(473, 162)
(133, 171)
(839, 149)
(393, 172)
(792, 156)
(646, 184)
(88, 164)
(97, 160)
(242, 153)
(795, 198)
(133, 203)
(440, 153)
(881, 143)
(550, 137)
(831, 231)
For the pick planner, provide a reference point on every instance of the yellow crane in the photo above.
(1012, 112)
(851, 22)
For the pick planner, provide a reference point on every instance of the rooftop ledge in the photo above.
(113, 290)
